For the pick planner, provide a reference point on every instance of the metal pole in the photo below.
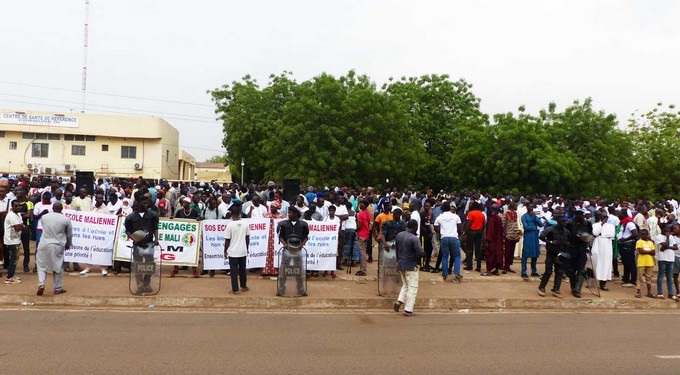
(242, 165)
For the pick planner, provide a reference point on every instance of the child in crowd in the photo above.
(645, 262)
(675, 229)
(665, 256)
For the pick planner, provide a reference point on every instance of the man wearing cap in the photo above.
(322, 205)
(311, 195)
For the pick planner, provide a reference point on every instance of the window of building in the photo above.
(128, 152)
(12, 145)
(40, 150)
(167, 156)
(2, 134)
(54, 137)
(40, 136)
(28, 135)
(69, 137)
(80, 138)
(105, 147)
(90, 138)
(78, 150)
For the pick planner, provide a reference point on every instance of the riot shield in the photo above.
(389, 279)
(292, 279)
(591, 281)
(145, 270)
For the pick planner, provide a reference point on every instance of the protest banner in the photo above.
(94, 235)
(322, 246)
(178, 238)
(213, 243)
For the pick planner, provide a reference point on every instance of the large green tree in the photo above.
(430, 131)
(655, 170)
(326, 130)
(518, 156)
(446, 118)
(594, 140)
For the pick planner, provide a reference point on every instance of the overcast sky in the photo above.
(624, 54)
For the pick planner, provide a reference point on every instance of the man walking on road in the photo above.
(409, 253)
(56, 238)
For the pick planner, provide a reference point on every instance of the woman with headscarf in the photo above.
(270, 269)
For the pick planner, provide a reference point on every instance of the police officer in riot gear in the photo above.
(580, 235)
(142, 219)
(293, 234)
(556, 240)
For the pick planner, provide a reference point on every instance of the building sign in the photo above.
(39, 120)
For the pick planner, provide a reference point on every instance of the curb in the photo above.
(461, 305)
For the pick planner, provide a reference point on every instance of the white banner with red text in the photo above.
(322, 246)
(93, 237)
(213, 243)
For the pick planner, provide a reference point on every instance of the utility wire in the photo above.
(106, 94)
(115, 112)
(104, 106)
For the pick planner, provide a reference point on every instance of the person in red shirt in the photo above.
(474, 225)
(363, 233)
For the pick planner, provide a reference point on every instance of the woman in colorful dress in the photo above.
(513, 234)
(270, 269)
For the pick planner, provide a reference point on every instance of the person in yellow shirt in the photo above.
(645, 262)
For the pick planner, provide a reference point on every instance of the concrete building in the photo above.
(108, 145)
(212, 171)
(187, 166)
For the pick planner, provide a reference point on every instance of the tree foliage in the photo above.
(429, 131)
(326, 130)
(655, 145)
(217, 159)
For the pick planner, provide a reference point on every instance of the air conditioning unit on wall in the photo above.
(69, 167)
(138, 166)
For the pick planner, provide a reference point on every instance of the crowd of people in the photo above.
(489, 231)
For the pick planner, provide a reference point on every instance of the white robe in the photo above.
(602, 251)
(520, 244)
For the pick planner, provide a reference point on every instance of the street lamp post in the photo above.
(242, 165)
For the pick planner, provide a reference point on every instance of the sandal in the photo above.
(674, 298)
(660, 296)
(638, 295)
(651, 296)
(236, 292)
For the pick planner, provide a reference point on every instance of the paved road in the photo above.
(60, 342)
